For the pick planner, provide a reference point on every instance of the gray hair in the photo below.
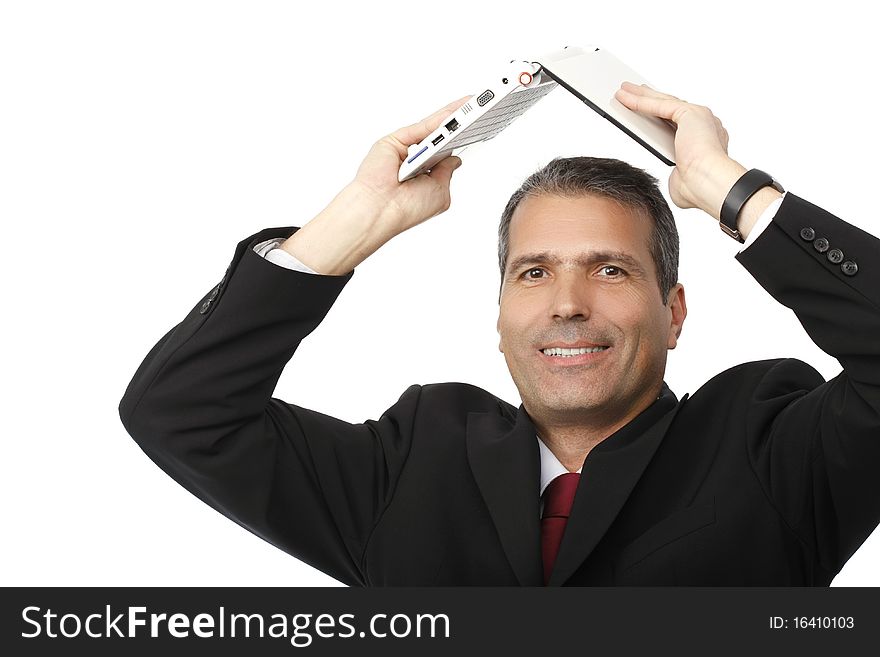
(609, 178)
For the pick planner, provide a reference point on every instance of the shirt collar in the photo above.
(550, 465)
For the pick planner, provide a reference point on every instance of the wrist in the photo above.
(717, 178)
(746, 201)
(342, 235)
(754, 208)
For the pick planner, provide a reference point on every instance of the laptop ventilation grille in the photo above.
(466, 108)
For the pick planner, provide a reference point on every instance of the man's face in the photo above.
(580, 274)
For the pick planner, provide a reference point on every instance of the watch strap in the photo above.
(743, 189)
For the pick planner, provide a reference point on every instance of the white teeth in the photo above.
(556, 351)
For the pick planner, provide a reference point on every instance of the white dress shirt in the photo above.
(550, 465)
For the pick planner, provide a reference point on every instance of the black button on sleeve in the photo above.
(808, 234)
(835, 256)
(849, 268)
(821, 244)
(204, 307)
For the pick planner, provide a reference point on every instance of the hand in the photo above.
(375, 207)
(404, 205)
(704, 172)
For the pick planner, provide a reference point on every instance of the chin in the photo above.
(575, 402)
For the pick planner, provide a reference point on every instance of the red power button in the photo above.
(525, 78)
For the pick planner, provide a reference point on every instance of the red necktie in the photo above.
(558, 497)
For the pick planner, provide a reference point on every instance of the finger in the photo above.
(449, 108)
(442, 171)
(413, 134)
(644, 90)
(665, 108)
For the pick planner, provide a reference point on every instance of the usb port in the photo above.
(436, 140)
(452, 126)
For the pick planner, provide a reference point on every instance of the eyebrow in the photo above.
(587, 259)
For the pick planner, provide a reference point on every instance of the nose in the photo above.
(571, 298)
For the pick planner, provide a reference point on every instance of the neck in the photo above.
(572, 439)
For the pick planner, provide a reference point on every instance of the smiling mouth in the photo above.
(563, 352)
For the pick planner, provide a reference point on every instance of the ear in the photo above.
(678, 311)
(498, 328)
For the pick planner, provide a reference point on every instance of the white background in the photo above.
(142, 140)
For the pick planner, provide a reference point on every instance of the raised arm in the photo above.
(814, 445)
(201, 407)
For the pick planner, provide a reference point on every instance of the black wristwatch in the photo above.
(743, 189)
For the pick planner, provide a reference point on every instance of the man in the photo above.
(766, 476)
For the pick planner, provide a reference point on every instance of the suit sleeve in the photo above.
(815, 445)
(201, 407)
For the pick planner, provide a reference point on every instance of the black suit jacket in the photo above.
(766, 476)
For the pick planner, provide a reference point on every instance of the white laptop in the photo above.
(484, 115)
(591, 74)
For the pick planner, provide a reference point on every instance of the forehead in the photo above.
(571, 225)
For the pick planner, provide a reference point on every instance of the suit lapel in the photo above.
(609, 474)
(505, 461)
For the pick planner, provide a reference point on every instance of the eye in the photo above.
(611, 271)
(526, 273)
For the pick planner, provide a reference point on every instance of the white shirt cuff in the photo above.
(270, 251)
(763, 221)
